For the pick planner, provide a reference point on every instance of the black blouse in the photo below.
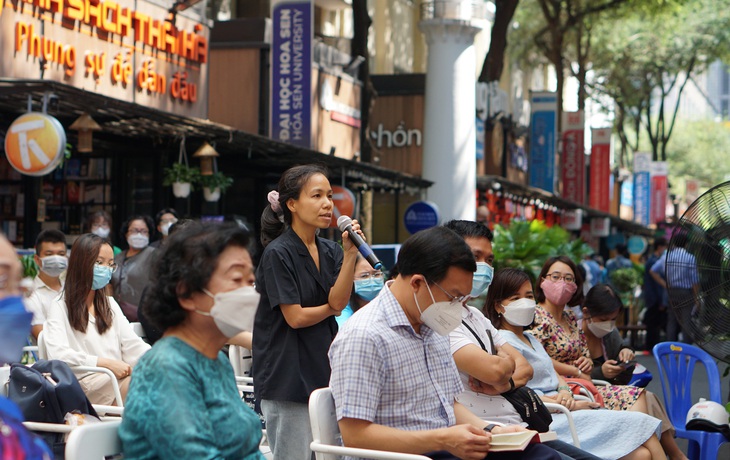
(290, 363)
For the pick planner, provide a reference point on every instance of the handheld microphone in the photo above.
(344, 223)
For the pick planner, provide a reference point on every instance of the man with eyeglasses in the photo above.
(50, 257)
(393, 378)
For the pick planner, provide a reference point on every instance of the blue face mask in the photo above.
(482, 279)
(369, 288)
(14, 328)
(102, 276)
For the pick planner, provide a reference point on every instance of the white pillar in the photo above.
(449, 138)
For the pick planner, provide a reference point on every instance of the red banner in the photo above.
(573, 157)
(659, 190)
(600, 175)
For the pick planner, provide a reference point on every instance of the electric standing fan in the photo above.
(700, 250)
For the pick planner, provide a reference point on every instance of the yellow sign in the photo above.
(34, 143)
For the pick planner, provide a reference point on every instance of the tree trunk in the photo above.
(361, 25)
(494, 62)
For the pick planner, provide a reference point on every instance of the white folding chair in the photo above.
(552, 407)
(139, 330)
(100, 408)
(240, 358)
(95, 441)
(326, 432)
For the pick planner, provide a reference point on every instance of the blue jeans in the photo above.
(288, 429)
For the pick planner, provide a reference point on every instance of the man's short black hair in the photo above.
(470, 229)
(49, 236)
(432, 252)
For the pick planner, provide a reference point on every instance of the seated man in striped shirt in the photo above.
(393, 378)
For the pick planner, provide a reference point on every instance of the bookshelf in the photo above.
(64, 197)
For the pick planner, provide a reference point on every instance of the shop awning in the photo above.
(500, 183)
(121, 119)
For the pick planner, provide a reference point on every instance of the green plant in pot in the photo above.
(182, 178)
(214, 184)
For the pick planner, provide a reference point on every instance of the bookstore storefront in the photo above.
(142, 76)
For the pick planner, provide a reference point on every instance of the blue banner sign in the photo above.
(291, 73)
(642, 188)
(543, 129)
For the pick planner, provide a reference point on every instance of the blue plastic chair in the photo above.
(676, 363)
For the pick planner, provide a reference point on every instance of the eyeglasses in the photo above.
(454, 299)
(111, 265)
(139, 231)
(168, 221)
(556, 276)
(377, 275)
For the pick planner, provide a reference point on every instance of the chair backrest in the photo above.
(240, 358)
(42, 350)
(4, 376)
(138, 329)
(94, 441)
(323, 418)
(676, 363)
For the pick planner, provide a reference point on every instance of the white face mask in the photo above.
(233, 311)
(138, 241)
(53, 266)
(101, 231)
(165, 228)
(442, 317)
(521, 312)
(601, 328)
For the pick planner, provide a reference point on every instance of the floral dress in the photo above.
(567, 345)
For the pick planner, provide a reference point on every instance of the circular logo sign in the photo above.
(34, 143)
(344, 201)
(637, 244)
(420, 216)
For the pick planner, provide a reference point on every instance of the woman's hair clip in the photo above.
(273, 198)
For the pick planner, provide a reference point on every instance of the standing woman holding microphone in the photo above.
(304, 281)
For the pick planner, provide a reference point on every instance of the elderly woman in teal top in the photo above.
(183, 401)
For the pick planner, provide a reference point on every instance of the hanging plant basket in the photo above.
(211, 194)
(181, 189)
(181, 175)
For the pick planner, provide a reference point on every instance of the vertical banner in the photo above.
(659, 191)
(573, 164)
(543, 127)
(642, 188)
(600, 174)
(291, 72)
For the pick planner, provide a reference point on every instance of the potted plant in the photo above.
(181, 177)
(214, 184)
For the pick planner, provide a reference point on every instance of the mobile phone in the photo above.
(626, 364)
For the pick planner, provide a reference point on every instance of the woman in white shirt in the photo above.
(86, 327)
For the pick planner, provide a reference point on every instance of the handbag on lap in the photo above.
(526, 402)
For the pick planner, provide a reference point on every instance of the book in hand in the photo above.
(504, 442)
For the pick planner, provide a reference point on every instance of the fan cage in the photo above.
(699, 255)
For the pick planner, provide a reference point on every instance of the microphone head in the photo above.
(343, 222)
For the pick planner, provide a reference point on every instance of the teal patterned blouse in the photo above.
(182, 404)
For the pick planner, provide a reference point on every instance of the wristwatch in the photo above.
(490, 427)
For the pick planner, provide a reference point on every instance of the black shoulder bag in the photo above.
(524, 399)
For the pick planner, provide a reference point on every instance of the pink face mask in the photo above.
(558, 292)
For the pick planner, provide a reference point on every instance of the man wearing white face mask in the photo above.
(50, 257)
(393, 379)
